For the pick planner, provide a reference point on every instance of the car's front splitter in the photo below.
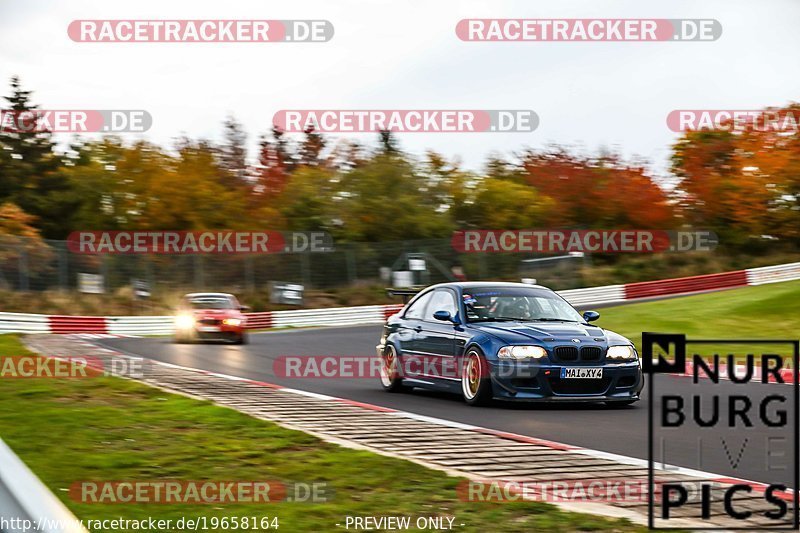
(543, 383)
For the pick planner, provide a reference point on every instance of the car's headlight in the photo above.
(184, 321)
(521, 352)
(232, 321)
(621, 352)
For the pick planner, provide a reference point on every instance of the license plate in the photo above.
(581, 373)
(208, 329)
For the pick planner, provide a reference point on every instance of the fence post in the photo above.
(198, 271)
(249, 274)
(104, 272)
(350, 260)
(482, 266)
(63, 269)
(305, 268)
(23, 268)
(151, 279)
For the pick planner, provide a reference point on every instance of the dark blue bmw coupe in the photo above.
(507, 341)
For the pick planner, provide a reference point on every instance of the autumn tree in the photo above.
(449, 186)
(30, 171)
(92, 170)
(311, 147)
(387, 199)
(307, 201)
(742, 182)
(21, 245)
(275, 163)
(599, 191)
(387, 142)
(233, 153)
(190, 194)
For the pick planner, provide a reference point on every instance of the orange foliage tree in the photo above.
(742, 181)
(599, 192)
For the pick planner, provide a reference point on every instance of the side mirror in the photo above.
(444, 316)
(244, 308)
(591, 316)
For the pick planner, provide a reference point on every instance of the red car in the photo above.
(210, 315)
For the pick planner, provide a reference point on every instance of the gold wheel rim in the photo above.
(389, 363)
(473, 375)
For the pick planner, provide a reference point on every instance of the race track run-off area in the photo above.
(620, 431)
(504, 441)
(458, 442)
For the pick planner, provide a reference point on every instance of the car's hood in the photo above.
(546, 332)
(216, 313)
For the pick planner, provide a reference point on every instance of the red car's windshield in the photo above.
(210, 303)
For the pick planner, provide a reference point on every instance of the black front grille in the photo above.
(209, 321)
(591, 353)
(566, 353)
(579, 386)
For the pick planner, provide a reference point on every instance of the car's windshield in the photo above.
(516, 303)
(210, 303)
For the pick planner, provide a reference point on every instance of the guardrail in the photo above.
(259, 320)
(376, 314)
(24, 323)
(337, 316)
(77, 324)
(139, 325)
(608, 294)
(773, 274)
(646, 289)
(26, 504)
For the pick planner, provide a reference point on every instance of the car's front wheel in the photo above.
(390, 376)
(476, 386)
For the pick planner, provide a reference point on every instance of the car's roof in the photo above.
(483, 284)
(208, 295)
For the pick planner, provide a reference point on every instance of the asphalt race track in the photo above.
(622, 431)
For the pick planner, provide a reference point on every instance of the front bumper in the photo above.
(217, 331)
(543, 382)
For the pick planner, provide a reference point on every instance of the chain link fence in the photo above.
(27, 265)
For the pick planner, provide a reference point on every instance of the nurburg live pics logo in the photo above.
(746, 394)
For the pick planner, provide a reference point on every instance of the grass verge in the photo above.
(760, 312)
(110, 429)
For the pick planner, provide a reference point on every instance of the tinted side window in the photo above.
(417, 309)
(442, 300)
